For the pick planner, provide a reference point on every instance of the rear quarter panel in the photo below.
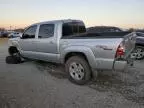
(99, 52)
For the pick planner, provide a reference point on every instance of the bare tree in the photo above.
(2, 29)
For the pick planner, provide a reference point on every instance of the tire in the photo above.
(78, 69)
(138, 53)
(15, 53)
(13, 60)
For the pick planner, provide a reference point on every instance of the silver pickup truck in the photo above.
(68, 43)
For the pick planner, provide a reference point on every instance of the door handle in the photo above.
(35, 41)
(65, 42)
(51, 42)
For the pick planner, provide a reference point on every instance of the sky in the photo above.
(120, 13)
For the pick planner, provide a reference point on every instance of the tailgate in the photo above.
(129, 43)
(127, 46)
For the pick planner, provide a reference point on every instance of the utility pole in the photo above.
(10, 28)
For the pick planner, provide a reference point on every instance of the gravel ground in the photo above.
(44, 85)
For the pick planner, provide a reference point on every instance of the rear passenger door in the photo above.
(47, 48)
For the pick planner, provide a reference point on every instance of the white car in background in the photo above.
(0, 33)
(14, 35)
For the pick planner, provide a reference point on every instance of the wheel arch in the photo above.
(80, 51)
(12, 50)
(70, 54)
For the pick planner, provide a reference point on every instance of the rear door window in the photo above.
(46, 31)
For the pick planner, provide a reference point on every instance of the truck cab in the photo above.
(41, 40)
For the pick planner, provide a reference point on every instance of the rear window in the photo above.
(72, 28)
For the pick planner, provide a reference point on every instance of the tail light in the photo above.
(120, 51)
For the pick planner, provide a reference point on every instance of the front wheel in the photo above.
(13, 60)
(78, 70)
(14, 57)
(138, 53)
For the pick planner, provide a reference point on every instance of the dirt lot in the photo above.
(3, 40)
(44, 85)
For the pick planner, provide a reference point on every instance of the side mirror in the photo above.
(22, 36)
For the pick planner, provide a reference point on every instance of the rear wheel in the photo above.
(138, 53)
(78, 70)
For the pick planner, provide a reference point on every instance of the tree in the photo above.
(131, 29)
(19, 30)
(2, 29)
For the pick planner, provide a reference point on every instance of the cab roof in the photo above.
(58, 21)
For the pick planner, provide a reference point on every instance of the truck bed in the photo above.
(97, 35)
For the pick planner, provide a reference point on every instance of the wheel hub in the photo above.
(76, 71)
(138, 53)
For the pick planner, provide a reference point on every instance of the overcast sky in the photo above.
(122, 13)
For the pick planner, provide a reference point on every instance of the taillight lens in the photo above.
(120, 51)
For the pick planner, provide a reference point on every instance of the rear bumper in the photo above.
(122, 65)
(111, 64)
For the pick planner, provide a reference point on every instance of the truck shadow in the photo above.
(56, 70)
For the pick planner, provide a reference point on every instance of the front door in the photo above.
(27, 42)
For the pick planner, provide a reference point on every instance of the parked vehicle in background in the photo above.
(138, 52)
(14, 35)
(66, 42)
(0, 34)
(4, 34)
(100, 29)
